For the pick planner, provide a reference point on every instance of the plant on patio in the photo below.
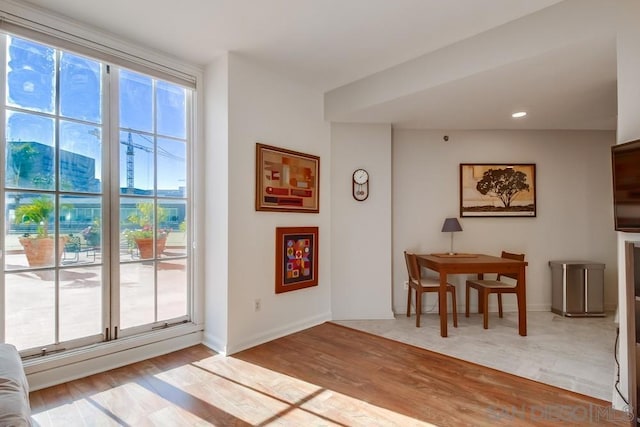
(143, 237)
(39, 249)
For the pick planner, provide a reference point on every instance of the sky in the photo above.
(31, 84)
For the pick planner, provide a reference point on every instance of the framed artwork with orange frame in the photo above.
(296, 258)
(497, 190)
(286, 180)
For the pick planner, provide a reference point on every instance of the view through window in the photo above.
(85, 262)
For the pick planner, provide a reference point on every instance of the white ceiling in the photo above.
(331, 43)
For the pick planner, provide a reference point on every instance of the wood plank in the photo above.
(326, 375)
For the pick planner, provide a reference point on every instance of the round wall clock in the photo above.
(360, 184)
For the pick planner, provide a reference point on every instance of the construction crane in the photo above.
(130, 167)
(131, 146)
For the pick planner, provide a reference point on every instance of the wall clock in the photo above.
(360, 184)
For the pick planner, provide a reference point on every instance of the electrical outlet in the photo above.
(406, 285)
(257, 304)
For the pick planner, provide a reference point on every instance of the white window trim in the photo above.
(55, 369)
(58, 368)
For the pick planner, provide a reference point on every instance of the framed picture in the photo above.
(296, 258)
(286, 181)
(497, 189)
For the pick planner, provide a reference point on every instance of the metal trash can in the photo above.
(577, 288)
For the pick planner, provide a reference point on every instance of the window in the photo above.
(152, 158)
(95, 198)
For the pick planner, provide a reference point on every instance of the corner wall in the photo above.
(266, 107)
(215, 215)
(628, 129)
(574, 210)
(361, 230)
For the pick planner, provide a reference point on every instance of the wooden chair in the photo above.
(421, 285)
(486, 287)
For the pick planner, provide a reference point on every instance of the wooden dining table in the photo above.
(479, 264)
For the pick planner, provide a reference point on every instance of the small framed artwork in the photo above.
(286, 181)
(497, 190)
(296, 258)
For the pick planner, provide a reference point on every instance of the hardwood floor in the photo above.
(325, 375)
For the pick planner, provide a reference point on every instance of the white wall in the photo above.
(628, 130)
(574, 210)
(268, 108)
(216, 172)
(361, 231)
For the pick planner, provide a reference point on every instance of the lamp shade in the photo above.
(451, 225)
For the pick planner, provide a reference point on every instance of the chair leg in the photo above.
(418, 307)
(466, 301)
(500, 304)
(454, 308)
(485, 298)
(408, 301)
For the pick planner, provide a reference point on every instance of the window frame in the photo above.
(60, 39)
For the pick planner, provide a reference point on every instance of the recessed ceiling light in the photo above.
(519, 114)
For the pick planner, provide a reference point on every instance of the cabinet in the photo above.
(577, 288)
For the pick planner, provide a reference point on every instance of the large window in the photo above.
(95, 199)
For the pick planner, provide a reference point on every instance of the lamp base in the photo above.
(455, 255)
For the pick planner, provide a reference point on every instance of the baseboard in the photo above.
(379, 316)
(431, 306)
(214, 343)
(275, 333)
(507, 308)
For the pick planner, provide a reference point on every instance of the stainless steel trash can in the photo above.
(577, 288)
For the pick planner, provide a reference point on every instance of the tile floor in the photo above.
(572, 353)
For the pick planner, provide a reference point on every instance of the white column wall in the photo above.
(216, 214)
(628, 130)
(266, 107)
(361, 231)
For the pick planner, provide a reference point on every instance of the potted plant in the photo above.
(39, 249)
(143, 237)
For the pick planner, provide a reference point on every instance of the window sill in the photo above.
(62, 367)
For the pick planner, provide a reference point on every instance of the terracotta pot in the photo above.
(39, 251)
(145, 246)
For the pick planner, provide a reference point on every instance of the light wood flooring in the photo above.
(328, 375)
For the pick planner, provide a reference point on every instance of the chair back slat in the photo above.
(516, 257)
(412, 267)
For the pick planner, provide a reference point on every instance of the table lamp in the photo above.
(451, 225)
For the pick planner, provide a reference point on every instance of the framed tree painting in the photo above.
(296, 258)
(286, 181)
(497, 190)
